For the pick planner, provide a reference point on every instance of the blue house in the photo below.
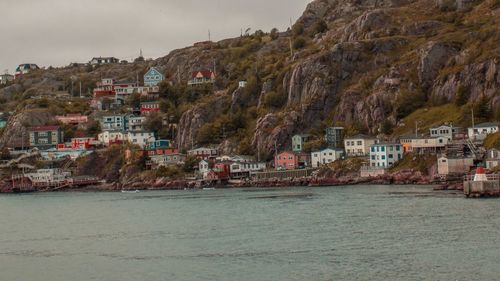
(159, 144)
(153, 77)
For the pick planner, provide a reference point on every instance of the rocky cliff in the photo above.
(364, 64)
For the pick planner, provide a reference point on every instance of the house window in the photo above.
(360, 143)
(383, 148)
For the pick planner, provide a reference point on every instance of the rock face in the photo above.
(16, 132)
(478, 78)
(373, 55)
(194, 118)
(433, 57)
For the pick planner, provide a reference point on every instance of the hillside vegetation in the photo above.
(372, 66)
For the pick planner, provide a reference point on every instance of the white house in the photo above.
(424, 145)
(165, 160)
(204, 153)
(242, 84)
(140, 138)
(325, 156)
(447, 131)
(358, 145)
(110, 137)
(385, 154)
(136, 123)
(492, 159)
(6, 78)
(103, 60)
(244, 169)
(481, 131)
(203, 168)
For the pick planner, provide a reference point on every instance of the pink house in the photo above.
(73, 119)
(286, 161)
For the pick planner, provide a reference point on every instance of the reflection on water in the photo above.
(337, 233)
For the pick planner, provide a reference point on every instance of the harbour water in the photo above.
(328, 233)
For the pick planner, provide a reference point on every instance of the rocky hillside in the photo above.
(363, 64)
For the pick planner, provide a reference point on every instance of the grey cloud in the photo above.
(57, 32)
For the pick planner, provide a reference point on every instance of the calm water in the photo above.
(352, 233)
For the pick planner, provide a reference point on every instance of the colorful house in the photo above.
(202, 77)
(298, 142)
(286, 161)
(45, 136)
(385, 154)
(149, 107)
(153, 77)
(83, 143)
(25, 68)
(114, 122)
(72, 119)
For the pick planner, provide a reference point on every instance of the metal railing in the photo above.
(490, 177)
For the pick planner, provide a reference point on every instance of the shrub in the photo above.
(274, 99)
(299, 43)
(274, 34)
(462, 96)
(320, 26)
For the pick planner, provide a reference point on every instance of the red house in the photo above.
(148, 107)
(286, 161)
(105, 88)
(223, 170)
(73, 119)
(82, 143)
(202, 77)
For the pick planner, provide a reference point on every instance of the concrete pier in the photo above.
(490, 187)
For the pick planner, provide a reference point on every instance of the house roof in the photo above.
(360, 136)
(328, 149)
(205, 73)
(386, 143)
(486, 125)
(304, 135)
(44, 128)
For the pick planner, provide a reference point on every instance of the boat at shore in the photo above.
(130, 191)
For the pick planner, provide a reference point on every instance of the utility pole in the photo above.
(290, 39)
(80, 88)
(179, 74)
(473, 125)
(209, 36)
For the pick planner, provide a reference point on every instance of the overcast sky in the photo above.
(57, 32)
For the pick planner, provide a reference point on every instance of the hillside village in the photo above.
(245, 110)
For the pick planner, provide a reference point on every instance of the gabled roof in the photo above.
(303, 135)
(153, 70)
(44, 128)
(205, 73)
(360, 136)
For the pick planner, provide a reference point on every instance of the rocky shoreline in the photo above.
(407, 177)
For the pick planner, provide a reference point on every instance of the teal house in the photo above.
(153, 77)
(298, 142)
